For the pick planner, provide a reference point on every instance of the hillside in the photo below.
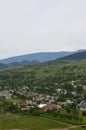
(49, 82)
(44, 74)
(43, 56)
(46, 79)
(76, 56)
(22, 63)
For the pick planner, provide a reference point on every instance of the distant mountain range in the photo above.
(41, 57)
(76, 56)
(36, 58)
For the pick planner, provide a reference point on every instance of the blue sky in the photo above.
(28, 26)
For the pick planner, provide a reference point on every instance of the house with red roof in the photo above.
(22, 102)
(51, 107)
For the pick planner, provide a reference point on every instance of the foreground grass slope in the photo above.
(31, 123)
(79, 128)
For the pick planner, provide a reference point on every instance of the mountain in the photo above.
(77, 56)
(3, 65)
(42, 56)
(38, 57)
(22, 63)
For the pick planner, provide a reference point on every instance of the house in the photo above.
(22, 102)
(51, 107)
(82, 105)
(41, 105)
(62, 103)
(74, 93)
(84, 87)
(59, 90)
(6, 94)
(69, 101)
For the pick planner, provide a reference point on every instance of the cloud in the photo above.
(28, 26)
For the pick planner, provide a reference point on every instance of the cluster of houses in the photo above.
(40, 100)
(27, 104)
(5, 94)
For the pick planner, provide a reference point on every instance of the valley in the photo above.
(54, 90)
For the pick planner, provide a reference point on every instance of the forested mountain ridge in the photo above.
(22, 63)
(42, 57)
(76, 56)
(37, 57)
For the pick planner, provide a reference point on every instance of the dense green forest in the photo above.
(48, 74)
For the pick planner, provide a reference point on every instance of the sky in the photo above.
(29, 26)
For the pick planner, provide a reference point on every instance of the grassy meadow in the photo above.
(9, 121)
(79, 128)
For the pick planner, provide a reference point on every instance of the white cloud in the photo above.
(28, 26)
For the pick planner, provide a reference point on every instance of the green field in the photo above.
(78, 128)
(65, 119)
(10, 121)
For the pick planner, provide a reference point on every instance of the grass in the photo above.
(14, 100)
(78, 128)
(80, 115)
(10, 121)
(67, 120)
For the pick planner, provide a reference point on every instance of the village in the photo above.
(25, 98)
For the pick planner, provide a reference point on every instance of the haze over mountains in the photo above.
(36, 58)
(41, 57)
